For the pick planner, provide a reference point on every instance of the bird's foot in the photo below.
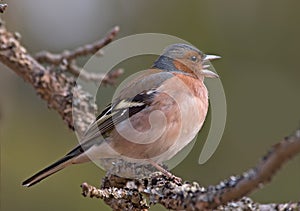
(168, 174)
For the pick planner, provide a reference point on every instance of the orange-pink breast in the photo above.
(172, 120)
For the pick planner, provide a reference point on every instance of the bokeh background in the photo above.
(259, 44)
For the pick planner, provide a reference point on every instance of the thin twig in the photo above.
(67, 59)
(88, 49)
(109, 78)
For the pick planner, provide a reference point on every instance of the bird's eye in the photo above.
(194, 58)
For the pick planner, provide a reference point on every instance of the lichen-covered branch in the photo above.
(191, 196)
(59, 90)
(133, 199)
(255, 178)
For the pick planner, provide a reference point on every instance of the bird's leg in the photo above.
(168, 174)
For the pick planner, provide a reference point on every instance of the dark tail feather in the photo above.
(55, 167)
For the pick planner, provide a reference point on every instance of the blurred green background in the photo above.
(259, 44)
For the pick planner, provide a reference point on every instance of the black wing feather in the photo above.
(112, 115)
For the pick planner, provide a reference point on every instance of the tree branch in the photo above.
(57, 89)
(191, 196)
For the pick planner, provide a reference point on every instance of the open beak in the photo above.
(205, 71)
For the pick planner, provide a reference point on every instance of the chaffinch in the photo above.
(152, 118)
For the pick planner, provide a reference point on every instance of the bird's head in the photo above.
(186, 58)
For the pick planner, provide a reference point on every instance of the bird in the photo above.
(153, 117)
